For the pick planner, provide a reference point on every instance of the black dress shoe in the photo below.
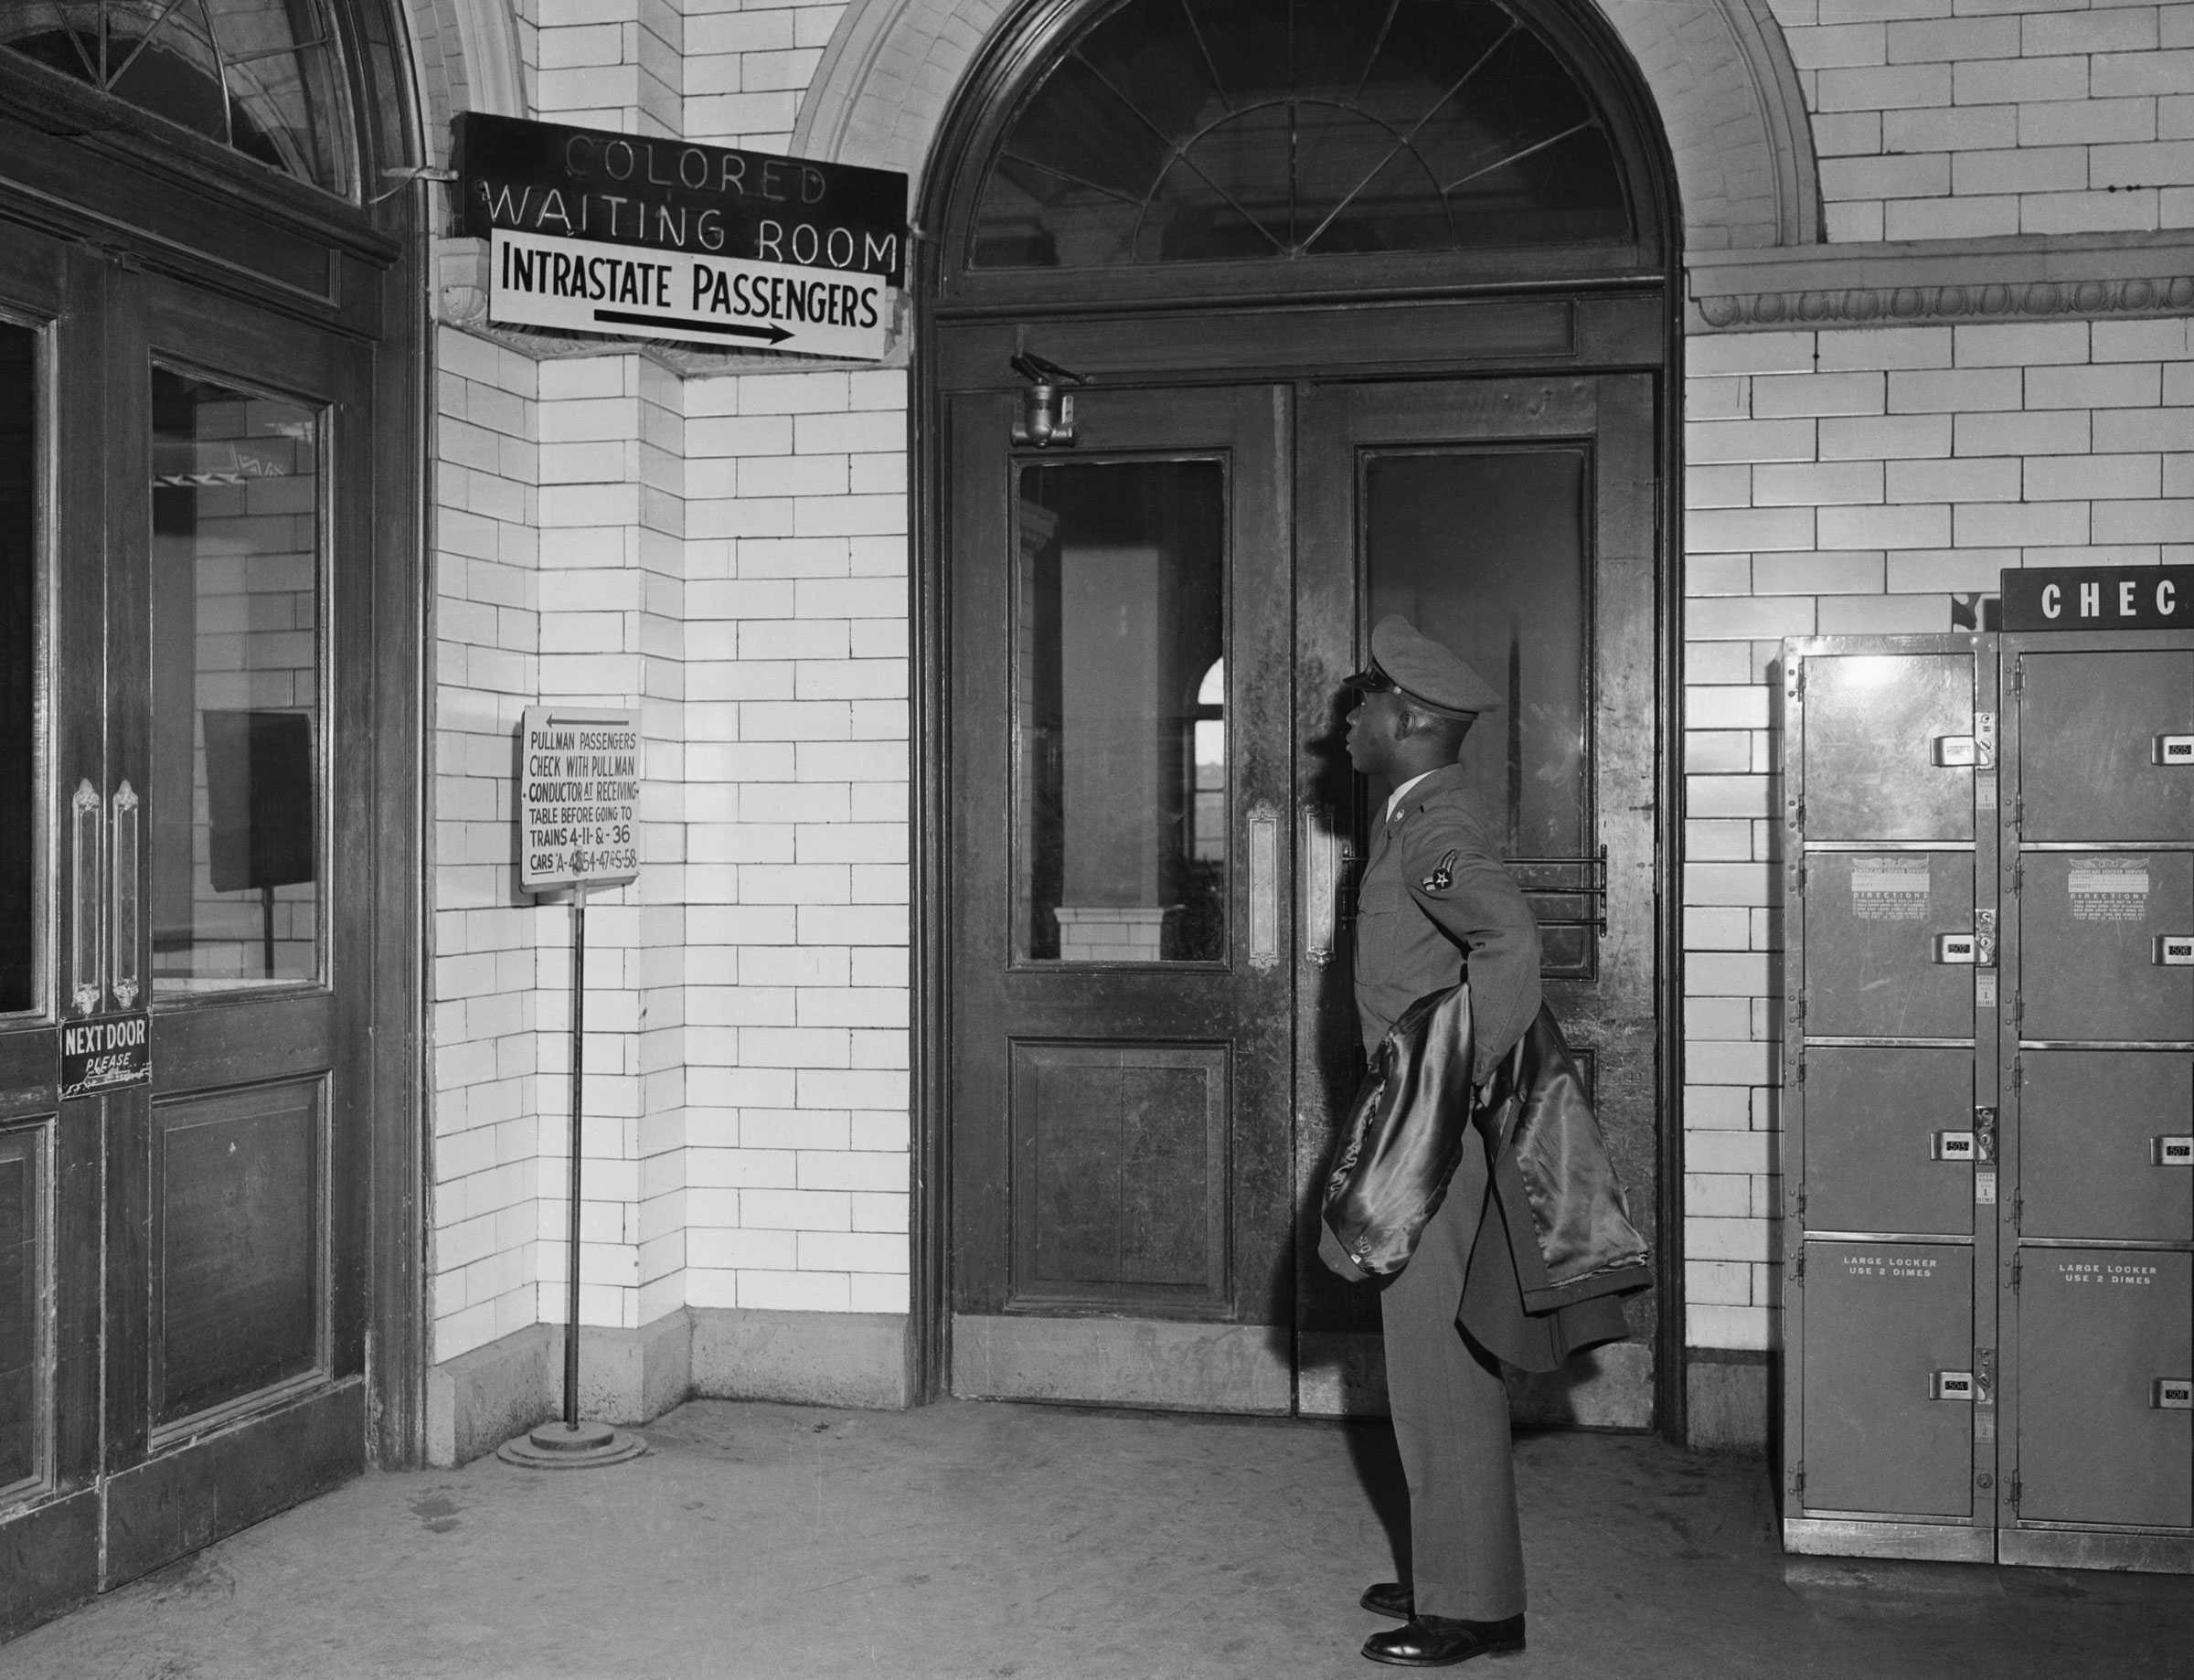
(1435, 1641)
(1389, 1598)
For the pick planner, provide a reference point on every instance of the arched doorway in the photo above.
(1373, 303)
(209, 462)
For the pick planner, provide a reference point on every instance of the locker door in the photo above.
(2098, 845)
(2107, 1350)
(1889, 848)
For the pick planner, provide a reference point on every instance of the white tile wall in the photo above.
(1951, 118)
(1854, 482)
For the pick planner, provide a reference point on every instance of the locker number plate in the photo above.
(2175, 750)
(1952, 1385)
(2172, 1151)
(2175, 949)
(2175, 1394)
(1957, 948)
(1955, 1146)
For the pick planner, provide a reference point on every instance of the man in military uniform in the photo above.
(1435, 894)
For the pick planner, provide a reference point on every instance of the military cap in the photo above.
(1423, 671)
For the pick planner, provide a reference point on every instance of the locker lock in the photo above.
(2172, 1151)
(2176, 751)
(2174, 1394)
(2174, 951)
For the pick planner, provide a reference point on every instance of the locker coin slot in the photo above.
(1955, 1146)
(1953, 1386)
(2172, 1151)
(1958, 949)
(2174, 1394)
(2175, 750)
(2174, 951)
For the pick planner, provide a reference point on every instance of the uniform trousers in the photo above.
(1450, 1408)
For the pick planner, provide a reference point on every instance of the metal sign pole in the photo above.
(578, 1069)
(579, 790)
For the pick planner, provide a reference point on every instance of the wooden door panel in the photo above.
(1541, 490)
(1120, 1176)
(1119, 1104)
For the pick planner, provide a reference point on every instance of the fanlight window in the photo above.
(1181, 130)
(260, 76)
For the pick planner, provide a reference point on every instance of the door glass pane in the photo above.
(23, 1411)
(1483, 550)
(1120, 808)
(236, 687)
(19, 871)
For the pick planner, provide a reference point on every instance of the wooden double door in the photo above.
(1153, 831)
(183, 907)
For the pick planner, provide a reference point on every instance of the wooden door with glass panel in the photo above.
(1120, 984)
(179, 1258)
(1514, 520)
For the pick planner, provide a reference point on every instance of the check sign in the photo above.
(635, 292)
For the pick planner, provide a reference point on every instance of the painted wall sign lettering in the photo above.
(2099, 598)
(557, 182)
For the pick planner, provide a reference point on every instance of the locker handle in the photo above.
(2173, 1394)
(1953, 1386)
(2171, 1151)
(2175, 751)
(2174, 951)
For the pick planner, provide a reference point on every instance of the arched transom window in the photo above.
(260, 76)
(1181, 131)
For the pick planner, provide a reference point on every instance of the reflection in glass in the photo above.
(1484, 551)
(1120, 806)
(1183, 131)
(236, 685)
(19, 872)
(257, 75)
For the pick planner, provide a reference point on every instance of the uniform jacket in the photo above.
(1434, 893)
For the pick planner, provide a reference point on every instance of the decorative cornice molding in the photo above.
(1935, 282)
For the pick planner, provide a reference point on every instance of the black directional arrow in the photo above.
(771, 334)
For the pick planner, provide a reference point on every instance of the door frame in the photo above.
(1511, 316)
(78, 167)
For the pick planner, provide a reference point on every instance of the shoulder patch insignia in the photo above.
(1444, 872)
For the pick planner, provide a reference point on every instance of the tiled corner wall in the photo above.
(1855, 481)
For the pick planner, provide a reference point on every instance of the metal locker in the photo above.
(2097, 959)
(1891, 945)
(2106, 1144)
(1882, 755)
(1891, 1140)
(2105, 1424)
(2091, 761)
(1889, 1369)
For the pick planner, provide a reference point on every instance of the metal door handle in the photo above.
(87, 982)
(122, 862)
(1321, 883)
(1265, 886)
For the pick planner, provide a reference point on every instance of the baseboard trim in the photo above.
(478, 1401)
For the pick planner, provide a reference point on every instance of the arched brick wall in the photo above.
(1719, 71)
(467, 59)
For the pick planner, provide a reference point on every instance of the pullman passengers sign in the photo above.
(644, 238)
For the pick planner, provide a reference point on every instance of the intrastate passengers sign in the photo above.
(579, 798)
(636, 237)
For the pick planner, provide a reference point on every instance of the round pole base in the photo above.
(560, 1446)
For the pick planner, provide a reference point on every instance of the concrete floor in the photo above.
(983, 1542)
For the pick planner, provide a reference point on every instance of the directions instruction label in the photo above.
(579, 797)
(697, 297)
